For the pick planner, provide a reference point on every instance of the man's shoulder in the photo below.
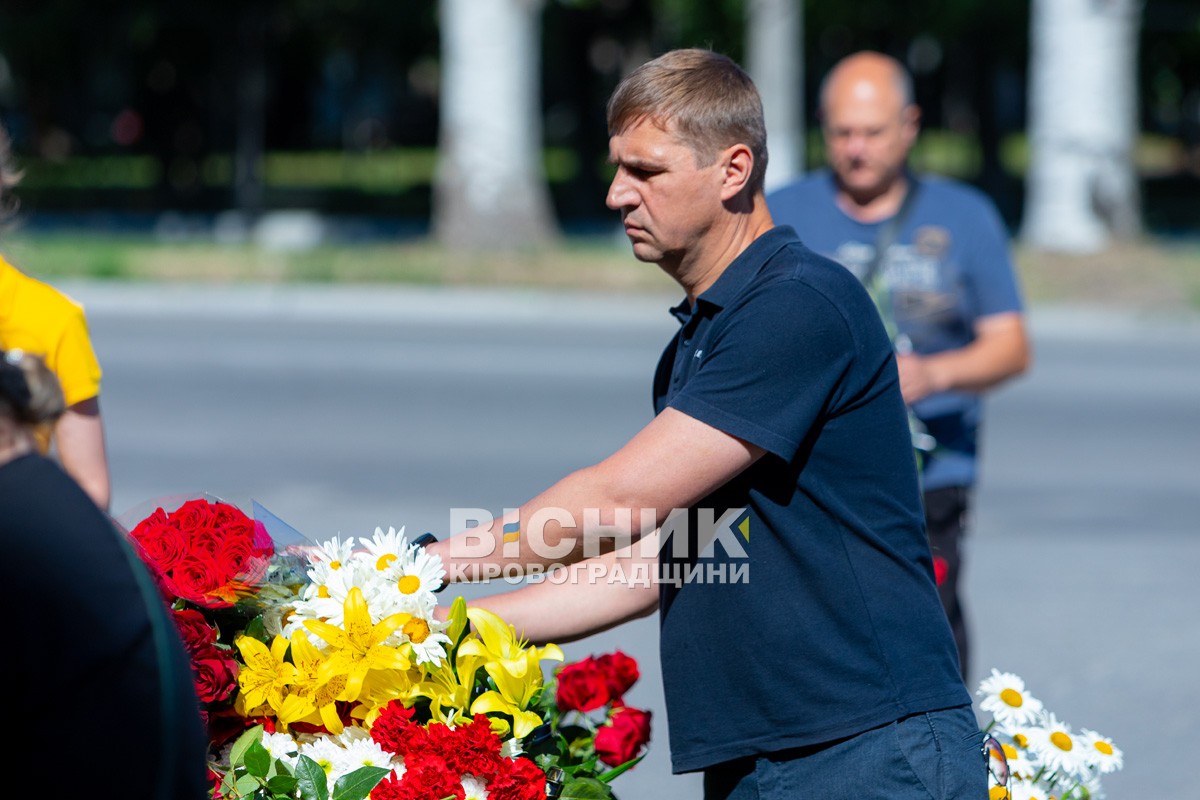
(796, 271)
(810, 185)
(953, 193)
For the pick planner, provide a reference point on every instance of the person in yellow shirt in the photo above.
(39, 319)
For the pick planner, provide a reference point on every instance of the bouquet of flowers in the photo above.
(1045, 758)
(337, 679)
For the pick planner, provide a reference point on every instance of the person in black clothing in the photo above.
(104, 701)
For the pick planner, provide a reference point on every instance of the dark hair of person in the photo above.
(703, 97)
(29, 392)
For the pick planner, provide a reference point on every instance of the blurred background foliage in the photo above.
(141, 106)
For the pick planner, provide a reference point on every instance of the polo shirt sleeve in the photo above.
(74, 360)
(772, 367)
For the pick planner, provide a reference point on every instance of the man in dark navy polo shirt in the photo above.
(804, 649)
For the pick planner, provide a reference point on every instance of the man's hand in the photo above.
(1000, 351)
(917, 380)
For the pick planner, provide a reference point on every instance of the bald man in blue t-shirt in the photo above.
(935, 255)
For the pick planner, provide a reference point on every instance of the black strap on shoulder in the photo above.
(890, 230)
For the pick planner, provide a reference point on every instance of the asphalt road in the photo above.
(345, 409)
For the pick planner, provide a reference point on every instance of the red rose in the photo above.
(160, 544)
(582, 686)
(195, 630)
(621, 671)
(198, 580)
(192, 517)
(215, 673)
(624, 737)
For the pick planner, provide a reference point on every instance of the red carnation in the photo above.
(394, 729)
(473, 749)
(426, 777)
(624, 737)
(523, 780)
(582, 686)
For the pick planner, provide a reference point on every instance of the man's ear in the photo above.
(910, 118)
(738, 163)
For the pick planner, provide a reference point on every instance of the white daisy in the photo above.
(1018, 758)
(428, 641)
(1005, 698)
(365, 752)
(1101, 752)
(474, 788)
(332, 554)
(329, 755)
(383, 549)
(282, 747)
(1058, 748)
(511, 748)
(1026, 790)
(411, 581)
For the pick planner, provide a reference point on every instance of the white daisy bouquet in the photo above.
(1046, 757)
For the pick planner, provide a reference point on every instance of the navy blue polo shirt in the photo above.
(814, 616)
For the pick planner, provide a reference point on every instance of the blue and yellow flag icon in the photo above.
(512, 531)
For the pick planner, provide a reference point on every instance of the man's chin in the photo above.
(646, 253)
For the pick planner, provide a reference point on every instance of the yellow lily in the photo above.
(265, 674)
(358, 647)
(513, 666)
(512, 694)
(498, 643)
(315, 699)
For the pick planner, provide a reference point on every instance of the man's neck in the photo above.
(699, 269)
(873, 206)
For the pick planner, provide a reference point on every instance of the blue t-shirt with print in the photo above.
(808, 612)
(949, 265)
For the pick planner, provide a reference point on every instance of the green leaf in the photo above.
(615, 771)
(311, 780)
(586, 789)
(257, 760)
(228, 784)
(282, 784)
(247, 784)
(258, 630)
(358, 784)
(252, 735)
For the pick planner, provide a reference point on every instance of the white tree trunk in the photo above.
(775, 60)
(490, 188)
(1081, 187)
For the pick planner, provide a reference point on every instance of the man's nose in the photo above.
(619, 193)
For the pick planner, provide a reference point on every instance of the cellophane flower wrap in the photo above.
(1044, 756)
(337, 681)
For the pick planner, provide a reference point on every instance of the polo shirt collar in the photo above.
(740, 271)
